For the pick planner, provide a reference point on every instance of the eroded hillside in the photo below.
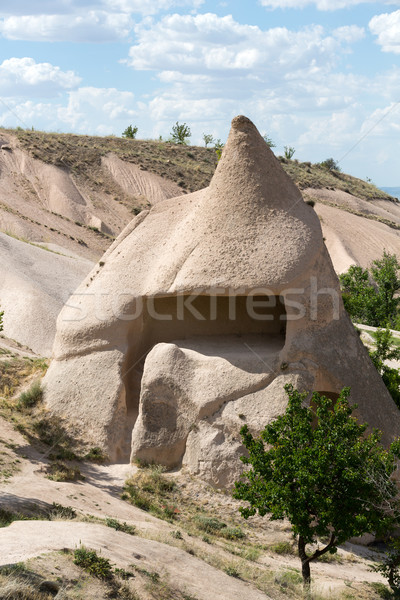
(64, 198)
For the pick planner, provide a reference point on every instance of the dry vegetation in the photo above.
(190, 166)
(308, 175)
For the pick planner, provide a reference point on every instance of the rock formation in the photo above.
(199, 313)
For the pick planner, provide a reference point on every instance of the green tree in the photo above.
(208, 139)
(289, 152)
(130, 132)
(316, 467)
(390, 567)
(218, 147)
(331, 164)
(180, 133)
(359, 296)
(268, 141)
(384, 350)
(385, 273)
(370, 297)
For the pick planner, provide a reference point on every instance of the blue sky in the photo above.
(322, 76)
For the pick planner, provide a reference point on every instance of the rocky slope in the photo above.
(72, 195)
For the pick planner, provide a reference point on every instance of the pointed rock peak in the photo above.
(249, 173)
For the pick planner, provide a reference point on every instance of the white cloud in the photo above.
(150, 8)
(63, 7)
(320, 4)
(387, 28)
(383, 122)
(88, 110)
(24, 76)
(94, 26)
(206, 42)
(78, 20)
(349, 33)
(98, 110)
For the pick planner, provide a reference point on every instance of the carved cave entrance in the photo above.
(174, 318)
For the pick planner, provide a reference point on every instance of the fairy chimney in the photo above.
(199, 313)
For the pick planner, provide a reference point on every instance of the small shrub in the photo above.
(118, 526)
(330, 164)
(310, 203)
(7, 517)
(381, 590)
(232, 533)
(252, 554)
(59, 471)
(96, 454)
(123, 574)
(169, 511)
(92, 563)
(330, 558)
(177, 535)
(152, 575)
(282, 548)
(288, 579)
(63, 453)
(209, 524)
(137, 498)
(58, 511)
(31, 397)
(232, 571)
(289, 152)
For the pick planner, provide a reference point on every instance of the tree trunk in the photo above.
(305, 571)
(305, 563)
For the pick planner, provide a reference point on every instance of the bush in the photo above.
(282, 548)
(232, 571)
(92, 563)
(209, 524)
(232, 533)
(330, 164)
(31, 397)
(289, 152)
(95, 454)
(58, 511)
(59, 471)
(118, 526)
